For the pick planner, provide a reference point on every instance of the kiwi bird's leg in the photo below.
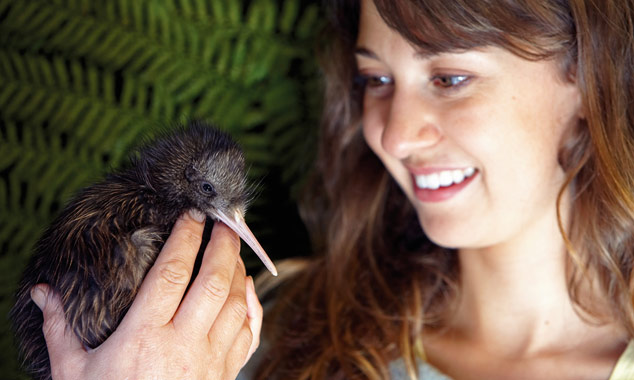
(236, 222)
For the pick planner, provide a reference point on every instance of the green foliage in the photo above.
(84, 81)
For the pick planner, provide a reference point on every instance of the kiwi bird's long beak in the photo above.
(236, 222)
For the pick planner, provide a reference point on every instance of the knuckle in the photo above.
(238, 307)
(175, 272)
(216, 286)
(190, 237)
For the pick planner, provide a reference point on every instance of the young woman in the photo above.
(474, 203)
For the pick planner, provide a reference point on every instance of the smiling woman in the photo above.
(502, 130)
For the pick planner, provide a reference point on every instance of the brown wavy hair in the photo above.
(378, 281)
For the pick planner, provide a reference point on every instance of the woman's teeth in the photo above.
(443, 178)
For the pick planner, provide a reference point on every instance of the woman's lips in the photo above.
(441, 184)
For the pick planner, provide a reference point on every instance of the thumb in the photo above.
(64, 348)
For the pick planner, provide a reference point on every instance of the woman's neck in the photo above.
(514, 296)
(515, 301)
(514, 317)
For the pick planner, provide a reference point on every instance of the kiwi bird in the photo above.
(98, 250)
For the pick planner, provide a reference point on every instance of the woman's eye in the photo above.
(376, 85)
(449, 81)
(378, 81)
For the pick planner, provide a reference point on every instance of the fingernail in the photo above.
(197, 215)
(39, 295)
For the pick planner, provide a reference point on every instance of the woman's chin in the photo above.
(450, 235)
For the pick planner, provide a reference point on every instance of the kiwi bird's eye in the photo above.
(207, 188)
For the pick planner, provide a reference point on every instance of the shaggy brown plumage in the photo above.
(97, 252)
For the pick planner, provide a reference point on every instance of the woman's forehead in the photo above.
(530, 29)
(428, 35)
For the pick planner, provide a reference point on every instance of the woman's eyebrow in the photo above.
(364, 52)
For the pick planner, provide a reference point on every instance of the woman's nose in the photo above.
(411, 126)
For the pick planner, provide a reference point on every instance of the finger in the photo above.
(232, 316)
(254, 315)
(64, 348)
(235, 358)
(213, 284)
(163, 287)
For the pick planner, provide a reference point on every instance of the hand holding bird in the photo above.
(208, 333)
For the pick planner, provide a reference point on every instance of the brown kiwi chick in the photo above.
(98, 250)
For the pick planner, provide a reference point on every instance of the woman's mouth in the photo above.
(444, 178)
(441, 185)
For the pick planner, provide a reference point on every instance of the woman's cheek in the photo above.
(372, 133)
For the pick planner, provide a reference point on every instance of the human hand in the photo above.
(208, 333)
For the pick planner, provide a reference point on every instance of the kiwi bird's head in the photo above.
(200, 167)
(215, 181)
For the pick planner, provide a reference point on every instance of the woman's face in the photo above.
(472, 137)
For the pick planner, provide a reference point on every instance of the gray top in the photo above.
(425, 371)
(623, 370)
(397, 369)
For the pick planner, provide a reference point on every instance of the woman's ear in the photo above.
(575, 139)
(571, 76)
(582, 108)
